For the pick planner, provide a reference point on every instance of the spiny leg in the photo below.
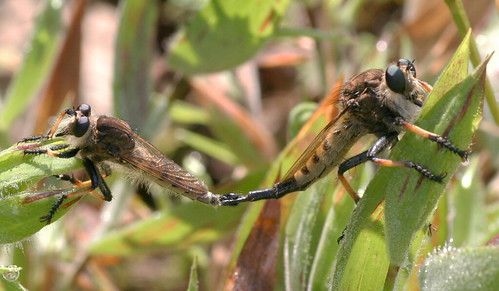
(34, 138)
(371, 155)
(52, 130)
(442, 141)
(65, 194)
(381, 144)
(48, 218)
(54, 151)
(97, 179)
(81, 188)
(80, 184)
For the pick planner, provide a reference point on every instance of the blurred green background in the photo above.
(221, 87)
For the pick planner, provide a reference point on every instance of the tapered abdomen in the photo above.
(326, 153)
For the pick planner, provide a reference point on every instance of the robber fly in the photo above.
(382, 103)
(104, 143)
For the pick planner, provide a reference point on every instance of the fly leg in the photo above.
(97, 179)
(54, 151)
(38, 138)
(34, 138)
(32, 142)
(81, 188)
(92, 171)
(52, 130)
(277, 191)
(442, 141)
(57, 204)
(371, 155)
(381, 144)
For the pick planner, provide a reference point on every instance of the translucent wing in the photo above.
(355, 88)
(311, 149)
(165, 172)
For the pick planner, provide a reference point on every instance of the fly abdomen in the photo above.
(326, 156)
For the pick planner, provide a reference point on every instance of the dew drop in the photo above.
(11, 273)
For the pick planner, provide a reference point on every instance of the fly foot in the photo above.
(232, 199)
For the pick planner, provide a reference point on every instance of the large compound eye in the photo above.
(84, 109)
(81, 126)
(395, 79)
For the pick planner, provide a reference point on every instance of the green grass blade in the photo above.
(193, 278)
(132, 85)
(327, 248)
(458, 13)
(37, 63)
(299, 237)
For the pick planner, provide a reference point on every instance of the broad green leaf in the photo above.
(461, 269)
(460, 17)
(224, 34)
(18, 172)
(37, 63)
(19, 221)
(370, 241)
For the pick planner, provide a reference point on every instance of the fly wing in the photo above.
(165, 172)
(357, 88)
(311, 148)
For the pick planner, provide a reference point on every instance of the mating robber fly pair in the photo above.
(382, 103)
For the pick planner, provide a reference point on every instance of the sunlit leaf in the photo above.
(17, 173)
(461, 269)
(224, 34)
